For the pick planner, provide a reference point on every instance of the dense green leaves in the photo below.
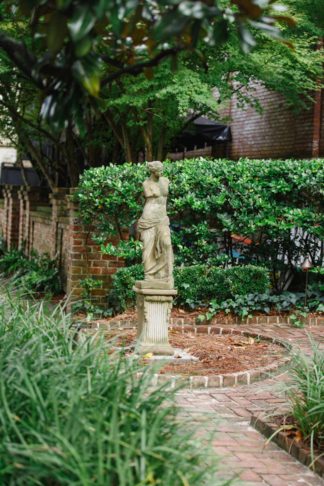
(33, 274)
(197, 285)
(275, 205)
(74, 413)
(130, 37)
(307, 397)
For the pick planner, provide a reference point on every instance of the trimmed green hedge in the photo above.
(277, 204)
(197, 285)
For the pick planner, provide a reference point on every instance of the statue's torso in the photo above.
(156, 193)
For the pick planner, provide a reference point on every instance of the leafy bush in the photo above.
(71, 413)
(308, 396)
(276, 204)
(121, 295)
(34, 274)
(14, 262)
(86, 303)
(196, 285)
(245, 305)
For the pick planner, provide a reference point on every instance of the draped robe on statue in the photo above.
(154, 229)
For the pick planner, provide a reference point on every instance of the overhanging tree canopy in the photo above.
(74, 46)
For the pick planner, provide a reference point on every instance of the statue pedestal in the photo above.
(154, 308)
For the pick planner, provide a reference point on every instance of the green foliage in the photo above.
(13, 262)
(73, 47)
(72, 413)
(34, 274)
(276, 204)
(121, 295)
(245, 305)
(86, 303)
(129, 118)
(200, 284)
(246, 279)
(308, 397)
(196, 285)
(298, 318)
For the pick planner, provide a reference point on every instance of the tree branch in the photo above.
(20, 56)
(136, 69)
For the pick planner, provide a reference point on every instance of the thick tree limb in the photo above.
(135, 69)
(20, 56)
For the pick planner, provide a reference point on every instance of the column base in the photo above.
(153, 309)
(161, 350)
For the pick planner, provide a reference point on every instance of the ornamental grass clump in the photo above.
(308, 398)
(73, 414)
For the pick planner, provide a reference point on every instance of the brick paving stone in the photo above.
(242, 450)
(250, 476)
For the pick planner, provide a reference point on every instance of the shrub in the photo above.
(71, 413)
(196, 285)
(308, 396)
(275, 203)
(34, 274)
(245, 305)
(121, 295)
(14, 262)
(248, 279)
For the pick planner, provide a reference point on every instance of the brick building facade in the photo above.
(277, 132)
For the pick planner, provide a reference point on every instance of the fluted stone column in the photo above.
(153, 309)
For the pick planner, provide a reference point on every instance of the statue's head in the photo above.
(155, 167)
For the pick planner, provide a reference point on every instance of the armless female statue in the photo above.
(154, 229)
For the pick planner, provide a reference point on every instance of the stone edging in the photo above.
(229, 320)
(221, 380)
(269, 429)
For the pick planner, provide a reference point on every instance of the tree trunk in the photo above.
(160, 149)
(148, 134)
(127, 145)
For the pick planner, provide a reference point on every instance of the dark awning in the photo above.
(12, 176)
(202, 131)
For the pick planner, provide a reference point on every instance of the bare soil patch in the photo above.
(216, 354)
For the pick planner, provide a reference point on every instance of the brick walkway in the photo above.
(242, 450)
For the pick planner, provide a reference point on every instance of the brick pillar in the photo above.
(12, 209)
(2, 215)
(86, 260)
(23, 219)
(59, 213)
(6, 214)
(29, 199)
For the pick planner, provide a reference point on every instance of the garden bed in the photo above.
(283, 431)
(226, 357)
(216, 354)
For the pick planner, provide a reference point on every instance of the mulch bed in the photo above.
(284, 431)
(217, 354)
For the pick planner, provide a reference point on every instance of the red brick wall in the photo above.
(86, 260)
(41, 234)
(2, 217)
(11, 217)
(277, 132)
(49, 224)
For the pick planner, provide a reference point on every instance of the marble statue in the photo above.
(156, 292)
(154, 230)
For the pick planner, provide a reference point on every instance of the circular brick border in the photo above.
(212, 381)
